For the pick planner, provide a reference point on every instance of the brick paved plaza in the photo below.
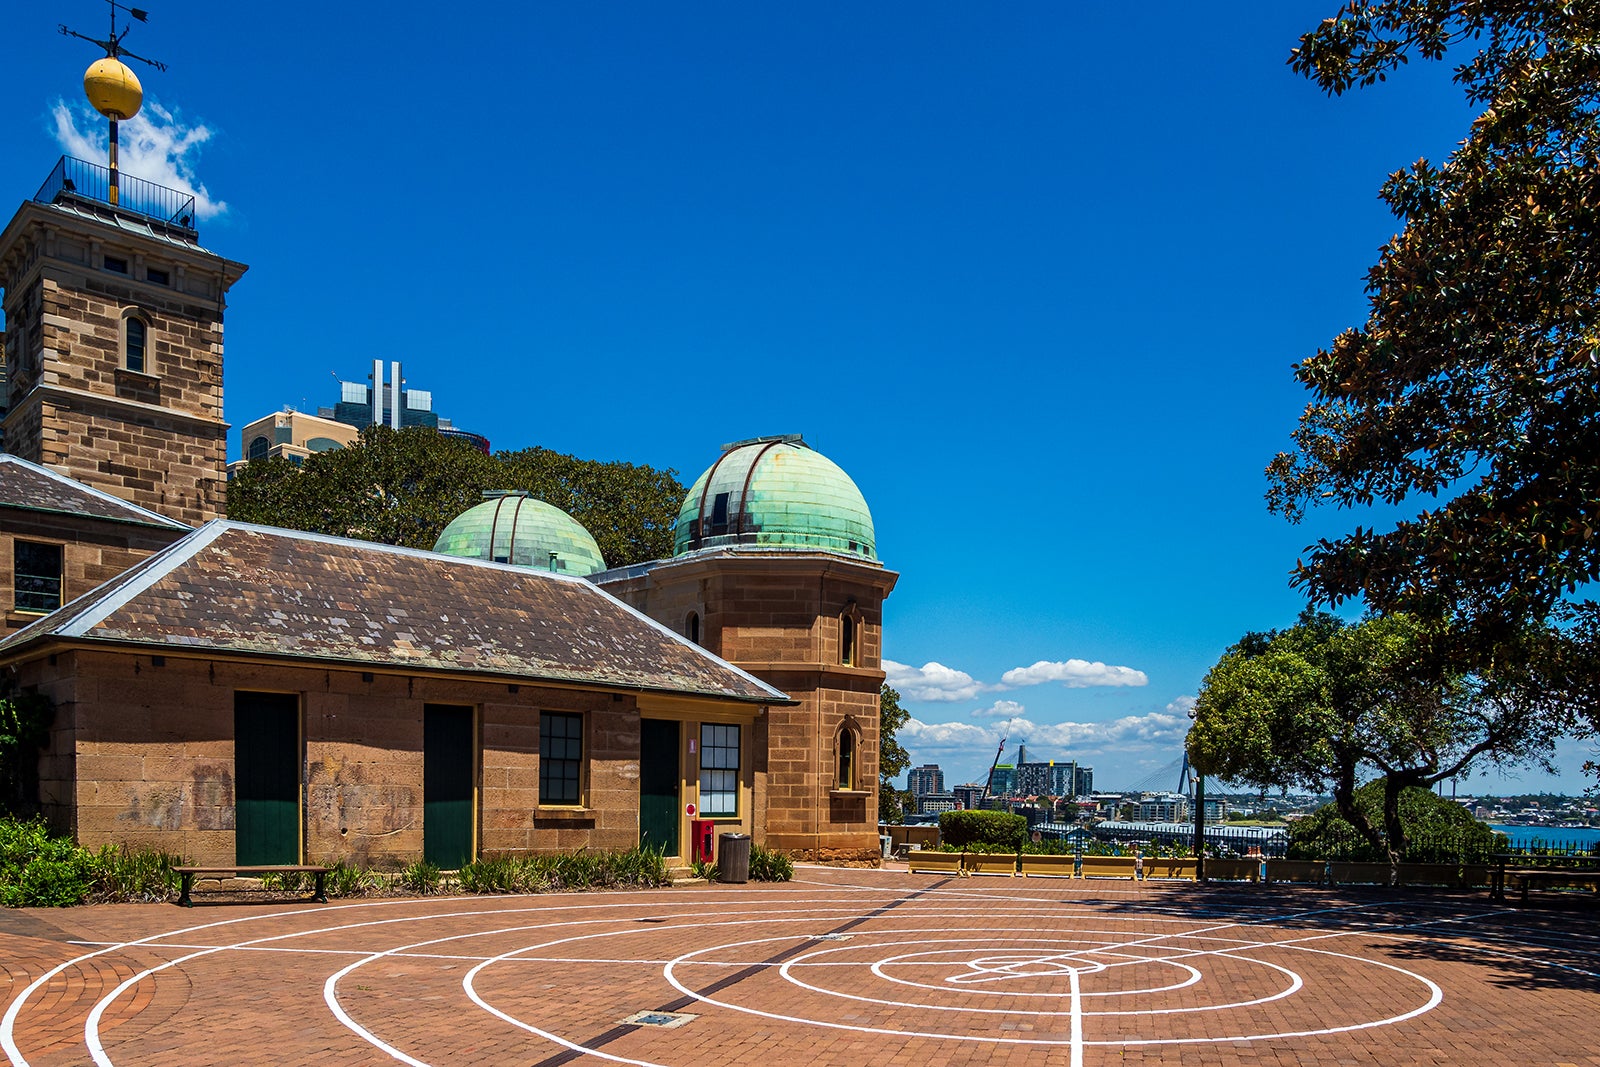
(837, 967)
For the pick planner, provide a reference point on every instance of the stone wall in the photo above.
(142, 753)
(175, 467)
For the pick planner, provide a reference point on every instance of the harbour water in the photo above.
(1550, 836)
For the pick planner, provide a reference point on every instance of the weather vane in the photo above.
(111, 86)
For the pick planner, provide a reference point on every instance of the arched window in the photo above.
(847, 639)
(135, 333)
(845, 752)
(258, 448)
(691, 627)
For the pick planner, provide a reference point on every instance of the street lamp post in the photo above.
(1199, 816)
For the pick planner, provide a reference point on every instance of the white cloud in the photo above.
(1182, 706)
(155, 145)
(1074, 674)
(931, 682)
(1000, 709)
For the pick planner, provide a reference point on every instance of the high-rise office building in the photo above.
(925, 779)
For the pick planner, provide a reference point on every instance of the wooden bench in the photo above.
(1547, 877)
(920, 861)
(189, 874)
(1531, 872)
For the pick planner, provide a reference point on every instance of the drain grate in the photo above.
(666, 1020)
(831, 937)
(649, 920)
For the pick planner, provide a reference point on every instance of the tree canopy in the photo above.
(402, 487)
(1326, 703)
(1470, 392)
(893, 759)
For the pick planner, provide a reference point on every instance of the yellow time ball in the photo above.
(113, 89)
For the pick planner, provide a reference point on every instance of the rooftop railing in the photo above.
(77, 179)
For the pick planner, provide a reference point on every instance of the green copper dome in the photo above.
(775, 492)
(523, 531)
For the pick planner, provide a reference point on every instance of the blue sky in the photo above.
(1034, 274)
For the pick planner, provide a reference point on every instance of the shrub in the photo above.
(134, 875)
(1001, 830)
(769, 866)
(1437, 831)
(421, 877)
(559, 871)
(290, 882)
(41, 871)
(343, 880)
(493, 874)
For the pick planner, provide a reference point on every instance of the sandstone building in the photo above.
(239, 694)
(256, 695)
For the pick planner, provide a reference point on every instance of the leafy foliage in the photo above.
(769, 866)
(1436, 831)
(1325, 701)
(893, 759)
(1000, 829)
(1472, 383)
(422, 878)
(40, 870)
(402, 487)
(555, 872)
(134, 875)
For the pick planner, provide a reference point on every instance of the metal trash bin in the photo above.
(886, 846)
(733, 858)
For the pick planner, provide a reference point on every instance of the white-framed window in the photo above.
(719, 770)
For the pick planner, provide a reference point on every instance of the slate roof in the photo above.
(235, 588)
(35, 488)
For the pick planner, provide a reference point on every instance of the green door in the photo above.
(447, 780)
(266, 778)
(658, 785)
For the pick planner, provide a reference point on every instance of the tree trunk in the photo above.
(1344, 796)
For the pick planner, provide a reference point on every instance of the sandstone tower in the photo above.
(775, 570)
(114, 343)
